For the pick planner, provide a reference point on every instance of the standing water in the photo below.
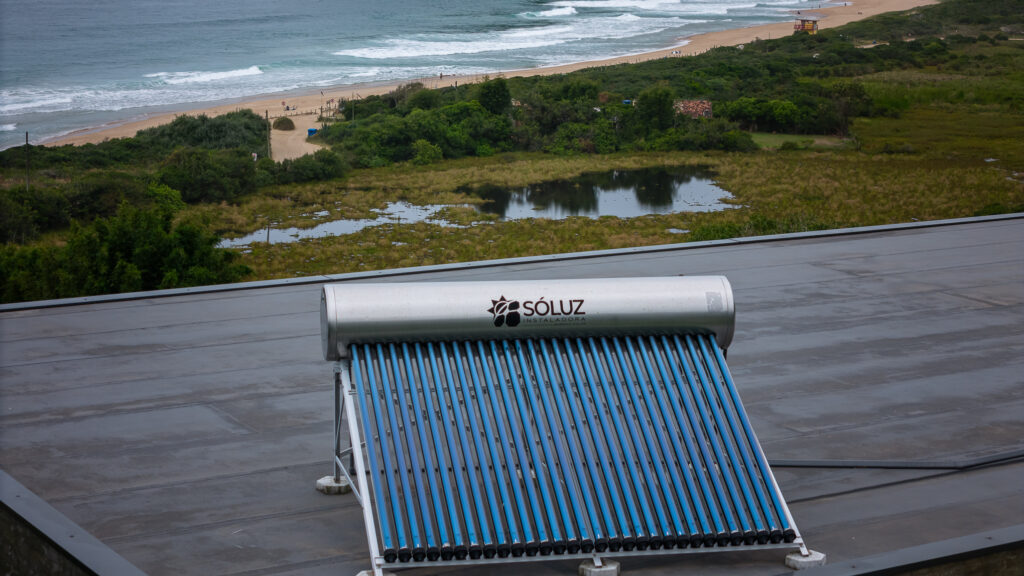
(621, 193)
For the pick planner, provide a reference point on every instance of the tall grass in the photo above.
(968, 135)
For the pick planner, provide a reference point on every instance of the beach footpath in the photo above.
(291, 144)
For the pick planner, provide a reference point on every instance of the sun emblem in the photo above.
(505, 312)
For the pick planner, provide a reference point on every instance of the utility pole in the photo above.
(26, 162)
(266, 114)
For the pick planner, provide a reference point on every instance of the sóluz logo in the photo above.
(505, 312)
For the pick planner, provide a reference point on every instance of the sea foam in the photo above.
(448, 45)
(553, 13)
(174, 78)
(517, 40)
(652, 7)
(24, 101)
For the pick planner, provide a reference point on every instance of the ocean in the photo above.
(67, 65)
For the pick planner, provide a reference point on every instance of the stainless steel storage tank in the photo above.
(379, 312)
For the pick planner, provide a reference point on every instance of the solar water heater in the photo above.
(540, 420)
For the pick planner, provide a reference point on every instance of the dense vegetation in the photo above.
(106, 213)
(136, 249)
(199, 158)
(931, 103)
(802, 84)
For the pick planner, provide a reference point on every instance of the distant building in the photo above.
(693, 108)
(806, 25)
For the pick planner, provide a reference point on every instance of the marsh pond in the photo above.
(620, 193)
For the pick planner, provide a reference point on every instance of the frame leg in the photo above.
(598, 567)
(804, 559)
(339, 482)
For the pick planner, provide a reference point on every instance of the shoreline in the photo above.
(309, 101)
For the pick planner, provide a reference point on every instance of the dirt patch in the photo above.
(289, 144)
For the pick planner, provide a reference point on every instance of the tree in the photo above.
(783, 114)
(654, 108)
(743, 110)
(425, 125)
(579, 89)
(494, 96)
(849, 100)
(423, 99)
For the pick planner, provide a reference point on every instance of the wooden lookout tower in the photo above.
(807, 25)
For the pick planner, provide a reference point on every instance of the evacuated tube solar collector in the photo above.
(397, 312)
(504, 420)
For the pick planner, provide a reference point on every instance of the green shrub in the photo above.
(133, 250)
(99, 193)
(17, 220)
(241, 129)
(423, 99)
(208, 175)
(321, 165)
(426, 153)
(283, 123)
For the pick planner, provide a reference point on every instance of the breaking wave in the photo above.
(553, 13)
(174, 78)
(519, 39)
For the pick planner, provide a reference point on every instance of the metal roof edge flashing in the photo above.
(72, 539)
(128, 296)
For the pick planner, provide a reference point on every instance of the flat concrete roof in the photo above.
(883, 372)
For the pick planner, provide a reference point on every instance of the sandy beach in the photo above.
(304, 107)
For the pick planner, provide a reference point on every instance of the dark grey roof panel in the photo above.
(186, 431)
